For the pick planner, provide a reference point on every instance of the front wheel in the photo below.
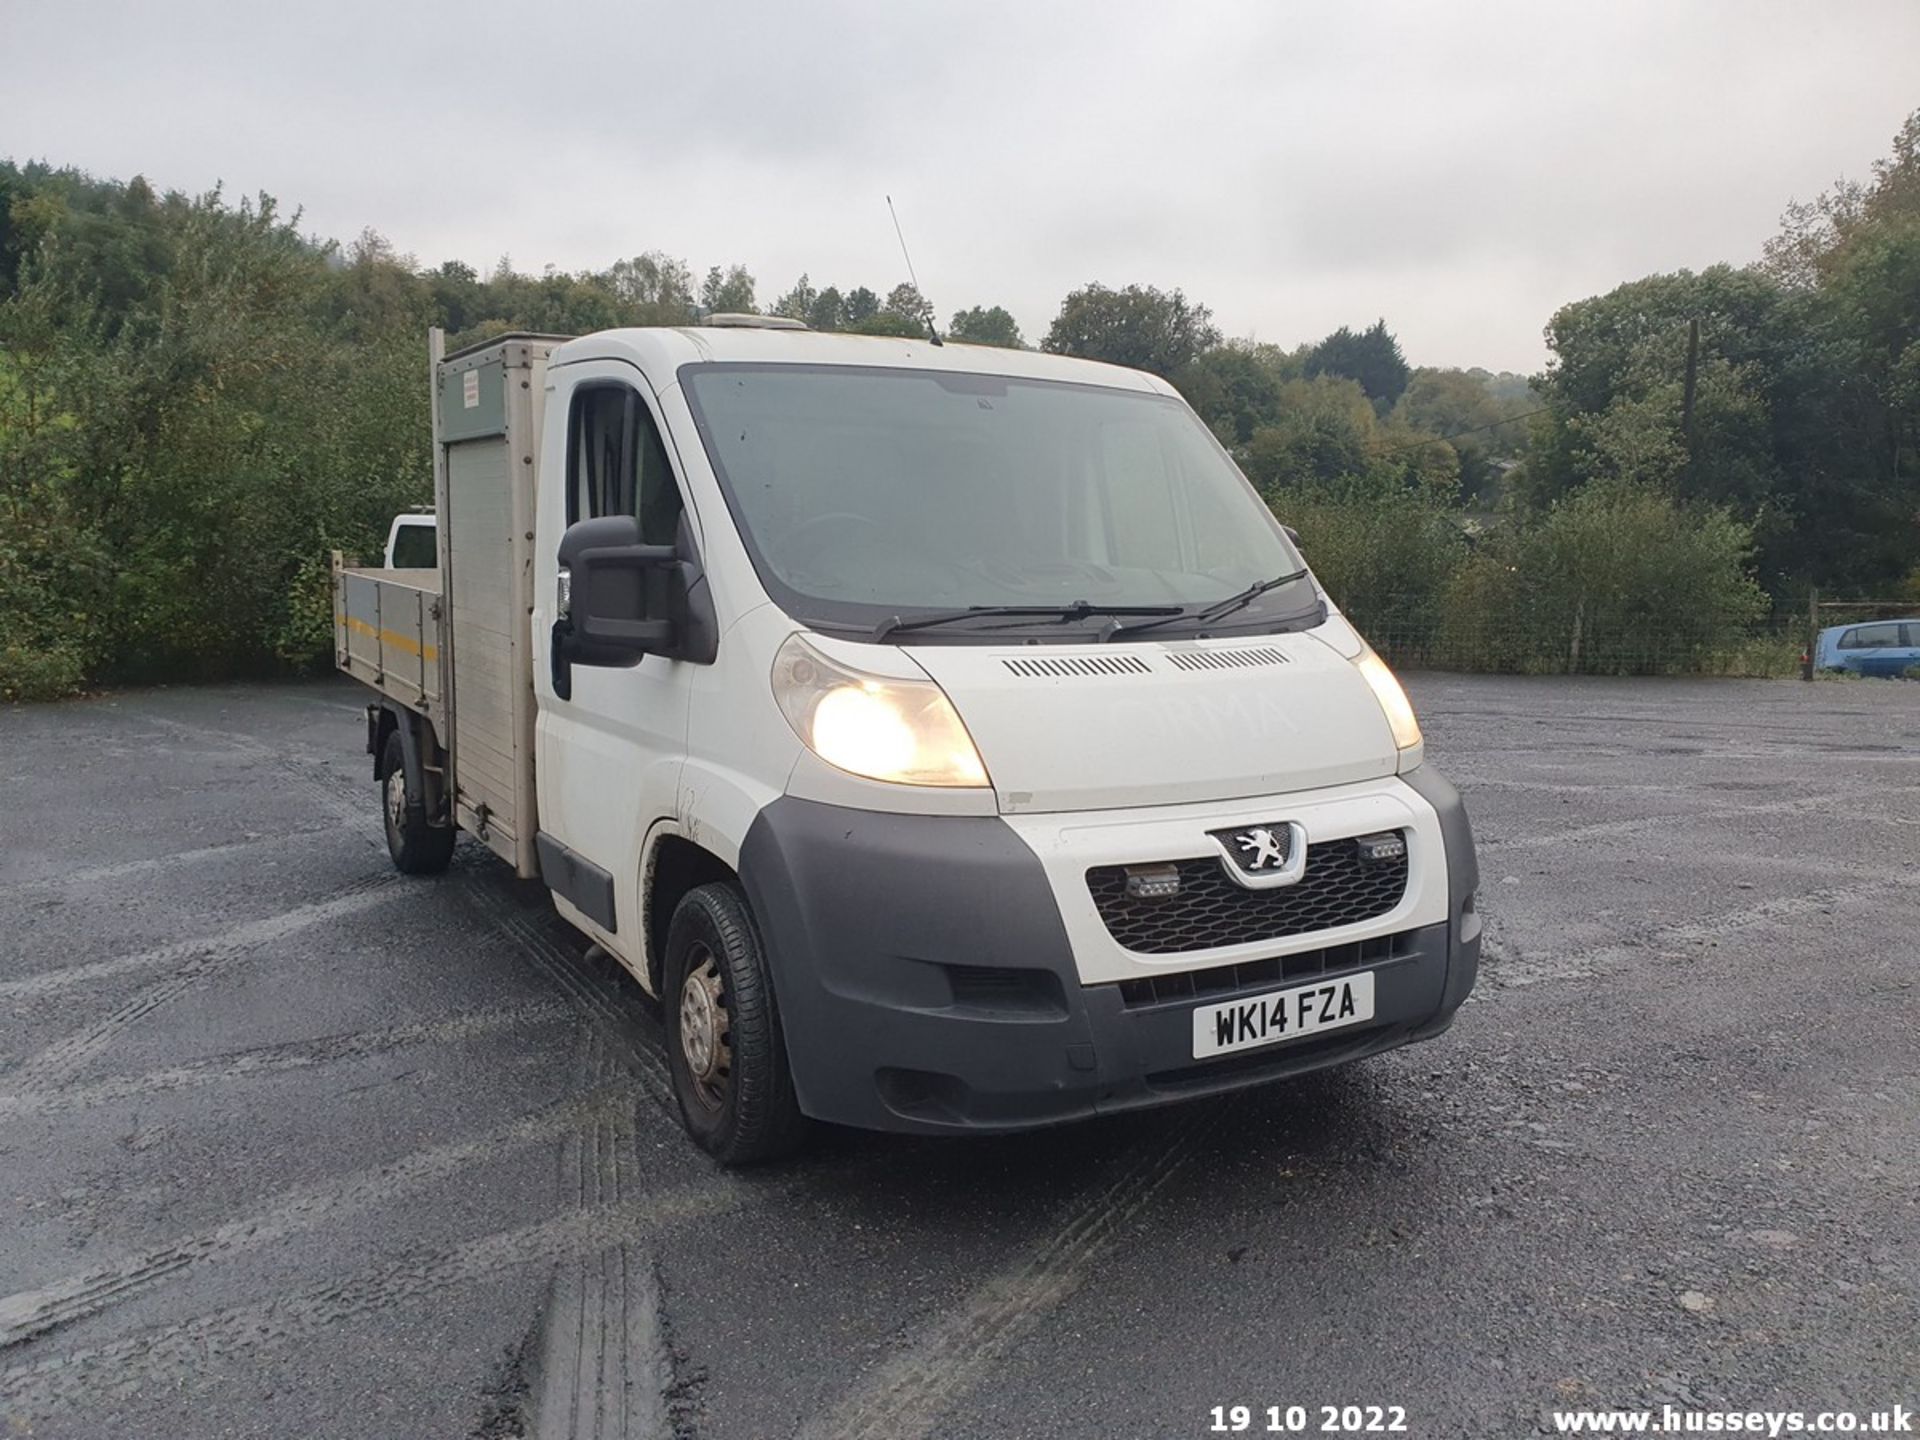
(417, 847)
(725, 1049)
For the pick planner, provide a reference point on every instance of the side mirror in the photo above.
(612, 598)
(1293, 535)
(615, 592)
(621, 599)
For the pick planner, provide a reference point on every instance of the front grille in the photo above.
(1224, 982)
(1338, 888)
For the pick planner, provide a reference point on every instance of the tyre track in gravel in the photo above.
(600, 1366)
(32, 1313)
(307, 772)
(180, 1355)
(177, 859)
(602, 1370)
(207, 952)
(1511, 968)
(269, 1060)
(189, 963)
(617, 1020)
(1647, 824)
(488, 886)
(905, 1397)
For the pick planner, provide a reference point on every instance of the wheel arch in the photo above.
(420, 750)
(674, 864)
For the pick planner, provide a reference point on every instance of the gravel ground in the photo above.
(293, 1147)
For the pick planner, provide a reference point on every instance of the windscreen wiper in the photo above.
(1218, 610)
(1078, 610)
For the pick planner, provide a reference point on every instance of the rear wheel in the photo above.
(417, 847)
(725, 1048)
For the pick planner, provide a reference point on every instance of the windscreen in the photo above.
(416, 546)
(865, 493)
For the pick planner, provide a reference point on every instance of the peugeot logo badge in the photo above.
(1262, 848)
(1263, 857)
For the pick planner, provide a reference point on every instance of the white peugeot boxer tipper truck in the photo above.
(949, 737)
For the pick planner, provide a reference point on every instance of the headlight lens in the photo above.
(1393, 700)
(905, 731)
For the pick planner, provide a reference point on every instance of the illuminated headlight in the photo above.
(1393, 703)
(905, 731)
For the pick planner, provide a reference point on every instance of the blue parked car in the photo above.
(1878, 647)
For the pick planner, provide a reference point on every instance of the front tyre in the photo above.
(417, 847)
(725, 1049)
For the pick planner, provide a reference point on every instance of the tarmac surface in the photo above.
(293, 1146)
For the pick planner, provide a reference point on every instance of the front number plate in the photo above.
(1282, 1015)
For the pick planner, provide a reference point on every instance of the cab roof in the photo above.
(661, 351)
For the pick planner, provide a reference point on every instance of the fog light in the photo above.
(1153, 882)
(1379, 849)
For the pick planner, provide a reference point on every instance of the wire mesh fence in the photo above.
(1599, 639)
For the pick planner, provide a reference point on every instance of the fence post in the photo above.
(1813, 632)
(1573, 654)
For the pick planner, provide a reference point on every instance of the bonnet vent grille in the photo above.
(1225, 659)
(1070, 666)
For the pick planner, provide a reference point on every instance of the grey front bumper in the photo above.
(925, 981)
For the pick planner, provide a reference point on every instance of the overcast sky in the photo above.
(1461, 169)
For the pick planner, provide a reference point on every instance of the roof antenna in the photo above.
(932, 334)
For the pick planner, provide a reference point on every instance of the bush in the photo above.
(1616, 579)
(39, 674)
(1386, 554)
(305, 639)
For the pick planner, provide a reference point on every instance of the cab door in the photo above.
(610, 749)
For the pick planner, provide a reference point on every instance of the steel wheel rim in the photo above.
(704, 1025)
(397, 799)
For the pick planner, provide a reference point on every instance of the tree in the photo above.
(862, 305)
(907, 303)
(1816, 236)
(1372, 357)
(1235, 388)
(730, 293)
(1140, 327)
(888, 322)
(1462, 409)
(1324, 430)
(828, 311)
(654, 288)
(797, 303)
(986, 327)
(1797, 424)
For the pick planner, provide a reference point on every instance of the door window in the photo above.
(617, 463)
(1871, 637)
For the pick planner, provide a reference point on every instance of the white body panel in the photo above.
(1089, 770)
(1166, 724)
(608, 759)
(1070, 844)
(1098, 754)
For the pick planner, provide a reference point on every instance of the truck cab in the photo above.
(949, 737)
(412, 543)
